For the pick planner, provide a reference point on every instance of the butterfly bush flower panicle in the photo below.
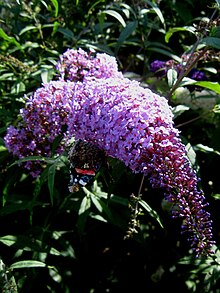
(121, 118)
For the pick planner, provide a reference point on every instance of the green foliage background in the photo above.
(60, 242)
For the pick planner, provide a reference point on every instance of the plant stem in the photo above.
(186, 70)
(191, 61)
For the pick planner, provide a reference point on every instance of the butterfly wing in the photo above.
(85, 161)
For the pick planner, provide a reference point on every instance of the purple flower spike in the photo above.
(123, 119)
(197, 75)
(159, 68)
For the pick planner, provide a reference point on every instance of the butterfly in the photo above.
(85, 160)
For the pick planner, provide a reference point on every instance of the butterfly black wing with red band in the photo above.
(85, 161)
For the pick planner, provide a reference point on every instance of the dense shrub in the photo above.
(116, 233)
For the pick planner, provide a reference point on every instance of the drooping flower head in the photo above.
(123, 119)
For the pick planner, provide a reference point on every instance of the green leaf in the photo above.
(18, 87)
(211, 42)
(9, 39)
(218, 3)
(56, 6)
(127, 31)
(118, 200)
(191, 153)
(66, 33)
(179, 109)
(51, 177)
(44, 76)
(98, 218)
(27, 264)
(32, 158)
(171, 31)
(28, 28)
(164, 52)
(85, 205)
(101, 206)
(187, 81)
(151, 212)
(56, 25)
(10, 286)
(116, 15)
(216, 109)
(215, 32)
(19, 206)
(214, 86)
(216, 196)
(8, 239)
(97, 203)
(158, 12)
(205, 149)
(171, 77)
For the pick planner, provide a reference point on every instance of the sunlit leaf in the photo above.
(28, 28)
(216, 109)
(157, 11)
(44, 76)
(116, 15)
(56, 6)
(214, 86)
(8, 240)
(171, 77)
(216, 196)
(179, 109)
(101, 206)
(171, 31)
(97, 203)
(205, 149)
(191, 153)
(54, 251)
(85, 205)
(217, 2)
(56, 25)
(99, 218)
(27, 264)
(9, 39)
